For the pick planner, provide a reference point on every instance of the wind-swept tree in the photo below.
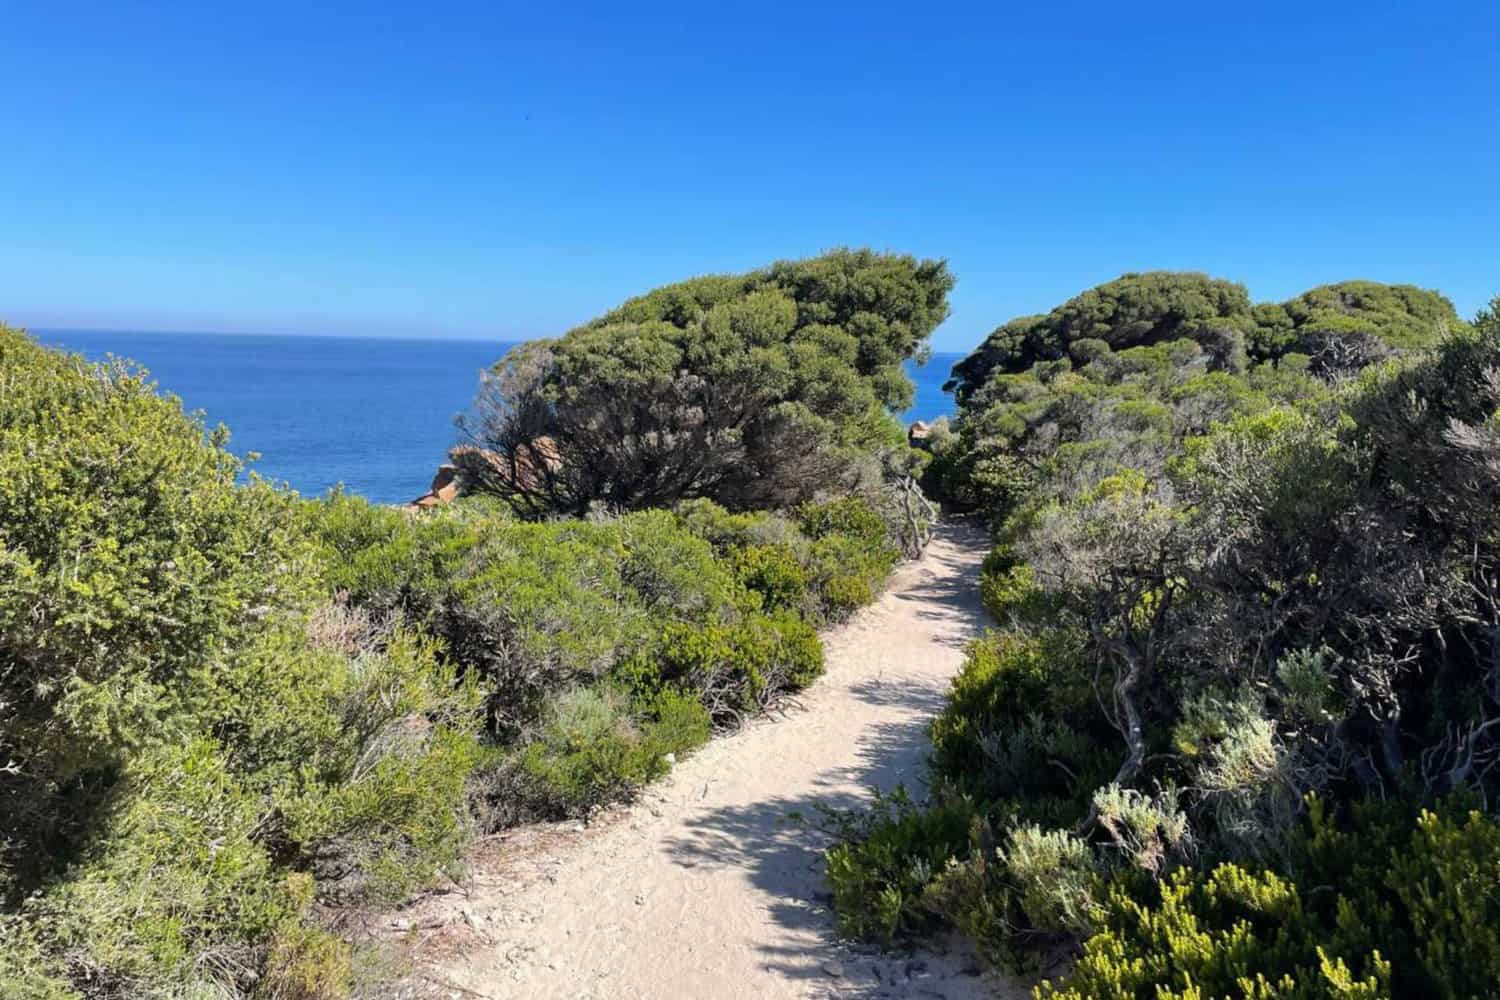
(753, 390)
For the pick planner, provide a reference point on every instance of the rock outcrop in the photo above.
(523, 471)
(444, 488)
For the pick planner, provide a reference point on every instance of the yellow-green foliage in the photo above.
(774, 572)
(1225, 934)
(738, 668)
(131, 565)
(1382, 905)
(194, 764)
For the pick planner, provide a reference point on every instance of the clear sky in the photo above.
(507, 170)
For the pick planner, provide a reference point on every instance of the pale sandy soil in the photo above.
(710, 886)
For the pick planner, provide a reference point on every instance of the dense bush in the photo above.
(1021, 731)
(195, 749)
(224, 710)
(591, 750)
(1131, 311)
(1342, 327)
(1223, 588)
(755, 390)
(1393, 906)
(588, 640)
(886, 860)
(131, 570)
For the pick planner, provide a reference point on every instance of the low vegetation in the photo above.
(1235, 734)
(229, 715)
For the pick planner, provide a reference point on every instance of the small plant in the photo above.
(886, 860)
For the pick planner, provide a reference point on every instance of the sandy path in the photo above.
(709, 887)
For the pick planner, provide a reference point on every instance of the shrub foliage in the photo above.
(226, 712)
(754, 390)
(1244, 561)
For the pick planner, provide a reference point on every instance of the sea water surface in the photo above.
(375, 414)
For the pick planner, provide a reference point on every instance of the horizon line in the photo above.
(441, 338)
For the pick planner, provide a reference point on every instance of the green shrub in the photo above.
(1009, 590)
(848, 571)
(843, 594)
(677, 722)
(27, 971)
(773, 572)
(725, 530)
(130, 565)
(1020, 730)
(591, 750)
(231, 708)
(1039, 888)
(738, 669)
(204, 749)
(833, 559)
(364, 756)
(176, 894)
(851, 516)
(1382, 905)
(674, 573)
(758, 390)
(886, 859)
(695, 604)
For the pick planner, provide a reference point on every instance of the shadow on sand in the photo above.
(780, 840)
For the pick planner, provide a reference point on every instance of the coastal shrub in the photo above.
(196, 748)
(843, 551)
(887, 857)
(1237, 570)
(130, 565)
(775, 573)
(592, 749)
(758, 390)
(588, 751)
(1020, 729)
(176, 894)
(1342, 326)
(726, 530)
(362, 757)
(1020, 901)
(848, 572)
(1385, 904)
(599, 646)
(1009, 591)
(850, 516)
(737, 670)
(367, 550)
(676, 573)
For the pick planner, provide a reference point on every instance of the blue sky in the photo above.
(504, 171)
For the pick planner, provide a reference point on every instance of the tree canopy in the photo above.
(753, 390)
(1352, 323)
(1342, 326)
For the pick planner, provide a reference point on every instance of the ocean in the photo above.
(374, 414)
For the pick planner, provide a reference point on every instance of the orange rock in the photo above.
(444, 488)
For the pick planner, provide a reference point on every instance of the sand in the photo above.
(711, 885)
